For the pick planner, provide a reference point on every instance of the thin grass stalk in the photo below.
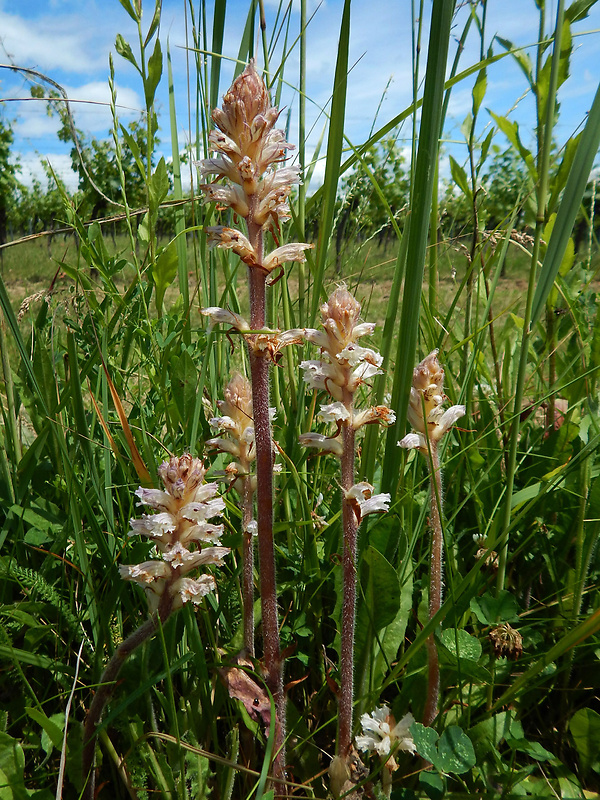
(11, 413)
(301, 208)
(542, 194)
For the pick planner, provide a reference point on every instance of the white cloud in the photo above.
(68, 43)
(31, 169)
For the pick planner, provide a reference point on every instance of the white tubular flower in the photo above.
(321, 375)
(232, 239)
(425, 410)
(155, 498)
(287, 252)
(228, 196)
(354, 355)
(155, 526)
(375, 414)
(219, 316)
(377, 504)
(334, 412)
(383, 735)
(185, 590)
(361, 494)
(320, 442)
(222, 166)
(179, 532)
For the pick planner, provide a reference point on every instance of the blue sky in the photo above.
(70, 41)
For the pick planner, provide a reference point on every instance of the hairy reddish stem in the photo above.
(435, 584)
(107, 684)
(248, 566)
(259, 373)
(350, 534)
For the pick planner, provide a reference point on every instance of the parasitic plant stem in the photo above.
(182, 534)
(435, 583)
(430, 423)
(350, 535)
(250, 152)
(343, 368)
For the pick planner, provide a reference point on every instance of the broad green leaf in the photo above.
(487, 735)
(479, 90)
(184, 382)
(543, 81)
(164, 272)
(124, 49)
(521, 57)
(452, 753)
(455, 751)
(135, 150)
(12, 765)
(128, 6)
(578, 10)
(492, 608)
(459, 176)
(154, 23)
(461, 644)
(511, 131)
(154, 74)
(51, 729)
(425, 739)
(533, 749)
(158, 188)
(433, 784)
(585, 730)
(5, 790)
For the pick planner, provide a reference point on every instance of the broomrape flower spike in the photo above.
(425, 408)
(248, 152)
(430, 423)
(180, 531)
(345, 366)
(236, 425)
(184, 538)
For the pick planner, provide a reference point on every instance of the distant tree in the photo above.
(9, 184)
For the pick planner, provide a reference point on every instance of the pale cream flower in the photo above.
(179, 530)
(383, 735)
(368, 503)
(425, 410)
(320, 442)
(219, 316)
(334, 412)
(287, 252)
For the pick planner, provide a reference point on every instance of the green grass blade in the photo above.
(180, 242)
(579, 174)
(217, 49)
(334, 157)
(433, 97)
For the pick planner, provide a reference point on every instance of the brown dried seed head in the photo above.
(506, 641)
